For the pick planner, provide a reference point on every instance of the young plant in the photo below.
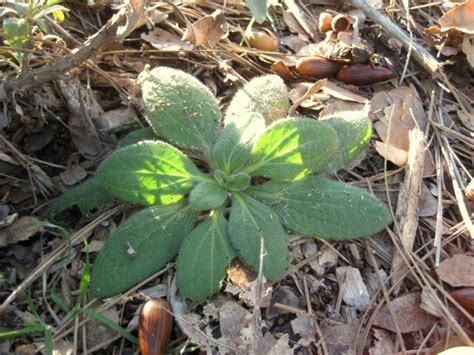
(245, 188)
(20, 17)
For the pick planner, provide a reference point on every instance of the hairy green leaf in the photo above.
(180, 108)
(292, 148)
(238, 182)
(15, 31)
(233, 146)
(207, 195)
(141, 246)
(149, 173)
(257, 235)
(323, 208)
(87, 196)
(354, 132)
(266, 95)
(136, 136)
(203, 257)
(258, 9)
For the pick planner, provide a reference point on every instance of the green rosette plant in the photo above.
(214, 194)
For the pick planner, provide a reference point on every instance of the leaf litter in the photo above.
(397, 111)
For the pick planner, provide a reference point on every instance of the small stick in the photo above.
(407, 206)
(419, 53)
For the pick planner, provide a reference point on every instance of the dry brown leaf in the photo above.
(395, 113)
(302, 327)
(383, 344)
(468, 49)
(206, 31)
(408, 315)
(338, 92)
(165, 40)
(428, 204)
(98, 333)
(467, 118)
(135, 18)
(294, 42)
(353, 289)
(457, 270)
(460, 18)
(24, 228)
(340, 338)
(73, 175)
(397, 156)
(281, 68)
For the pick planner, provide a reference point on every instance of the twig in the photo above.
(37, 77)
(407, 214)
(419, 53)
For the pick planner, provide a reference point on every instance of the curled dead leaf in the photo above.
(206, 31)
(23, 229)
(461, 18)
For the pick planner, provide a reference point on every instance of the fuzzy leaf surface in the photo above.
(323, 208)
(87, 196)
(140, 246)
(136, 136)
(354, 134)
(207, 195)
(180, 108)
(266, 95)
(255, 229)
(292, 148)
(258, 9)
(233, 146)
(203, 257)
(149, 173)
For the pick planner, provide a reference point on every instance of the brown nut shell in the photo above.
(324, 24)
(465, 297)
(263, 40)
(155, 327)
(340, 23)
(363, 74)
(317, 67)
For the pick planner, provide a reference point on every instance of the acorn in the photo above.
(155, 327)
(340, 23)
(363, 74)
(317, 67)
(465, 297)
(263, 40)
(324, 24)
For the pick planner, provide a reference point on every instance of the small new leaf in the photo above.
(149, 173)
(16, 31)
(233, 146)
(207, 195)
(87, 196)
(292, 148)
(319, 207)
(180, 108)
(203, 257)
(257, 235)
(141, 246)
